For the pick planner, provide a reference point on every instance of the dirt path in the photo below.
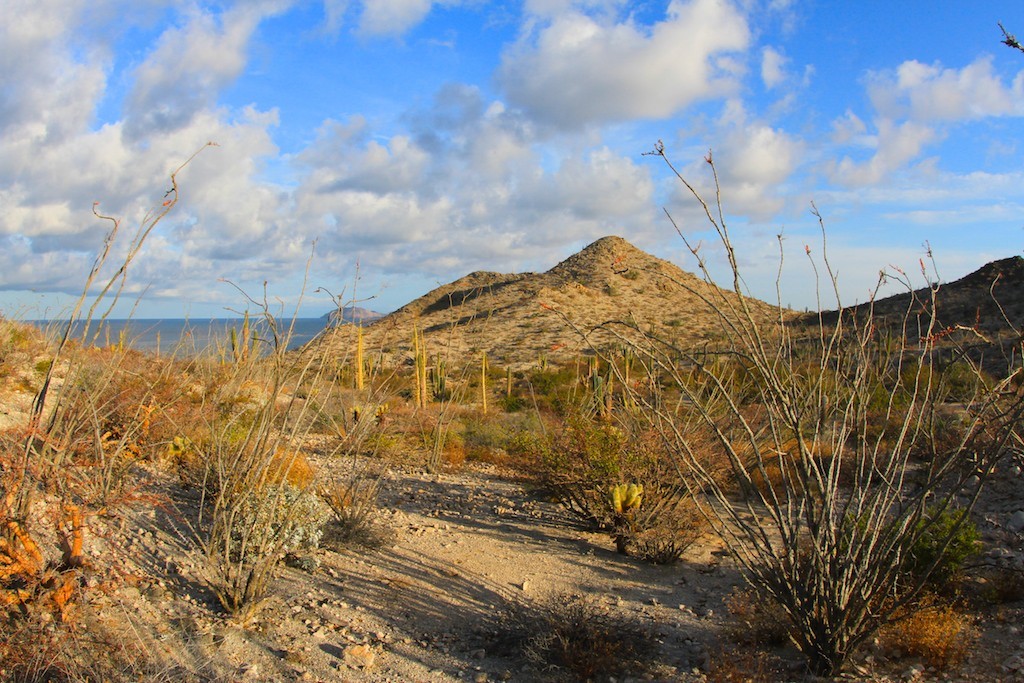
(432, 606)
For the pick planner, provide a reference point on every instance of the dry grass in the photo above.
(938, 633)
(570, 638)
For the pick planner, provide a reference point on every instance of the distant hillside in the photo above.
(519, 319)
(352, 314)
(979, 300)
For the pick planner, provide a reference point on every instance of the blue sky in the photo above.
(416, 141)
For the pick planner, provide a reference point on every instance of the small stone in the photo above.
(1013, 663)
(914, 672)
(480, 678)
(1016, 523)
(359, 656)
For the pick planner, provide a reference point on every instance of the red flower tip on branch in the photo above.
(556, 347)
(807, 248)
(545, 306)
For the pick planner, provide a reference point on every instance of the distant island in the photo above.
(351, 315)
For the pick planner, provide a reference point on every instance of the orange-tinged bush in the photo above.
(937, 633)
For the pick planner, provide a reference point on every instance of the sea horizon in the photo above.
(184, 336)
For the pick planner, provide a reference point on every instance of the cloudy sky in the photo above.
(415, 141)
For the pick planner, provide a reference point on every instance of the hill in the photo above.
(519, 319)
(983, 300)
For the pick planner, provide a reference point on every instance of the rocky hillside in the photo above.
(518, 319)
(984, 300)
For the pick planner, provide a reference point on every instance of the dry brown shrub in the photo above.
(743, 665)
(756, 620)
(572, 638)
(938, 633)
(291, 466)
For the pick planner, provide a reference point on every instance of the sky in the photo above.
(369, 151)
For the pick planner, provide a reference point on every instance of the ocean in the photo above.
(184, 337)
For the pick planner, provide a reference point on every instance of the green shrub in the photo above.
(927, 550)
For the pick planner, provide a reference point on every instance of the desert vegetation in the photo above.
(835, 461)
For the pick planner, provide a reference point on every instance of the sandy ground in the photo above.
(431, 606)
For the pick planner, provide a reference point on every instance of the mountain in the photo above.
(351, 314)
(978, 300)
(520, 319)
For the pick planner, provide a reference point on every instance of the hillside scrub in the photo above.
(843, 449)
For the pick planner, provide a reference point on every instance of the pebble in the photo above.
(1014, 663)
(1016, 523)
(359, 656)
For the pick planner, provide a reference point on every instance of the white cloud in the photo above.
(915, 105)
(847, 128)
(923, 92)
(190, 66)
(334, 14)
(392, 17)
(896, 145)
(773, 67)
(577, 69)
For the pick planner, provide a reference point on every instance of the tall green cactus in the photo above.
(419, 367)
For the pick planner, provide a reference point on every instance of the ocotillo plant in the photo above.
(360, 379)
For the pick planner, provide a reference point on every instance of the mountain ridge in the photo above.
(611, 293)
(523, 318)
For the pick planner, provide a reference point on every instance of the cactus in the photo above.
(483, 382)
(439, 379)
(419, 367)
(626, 497)
(625, 500)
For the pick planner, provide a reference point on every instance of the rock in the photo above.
(914, 672)
(1016, 523)
(359, 656)
(1000, 554)
(1013, 663)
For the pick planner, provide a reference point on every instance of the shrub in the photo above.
(945, 541)
(355, 520)
(936, 632)
(588, 460)
(577, 639)
(827, 535)
(756, 620)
